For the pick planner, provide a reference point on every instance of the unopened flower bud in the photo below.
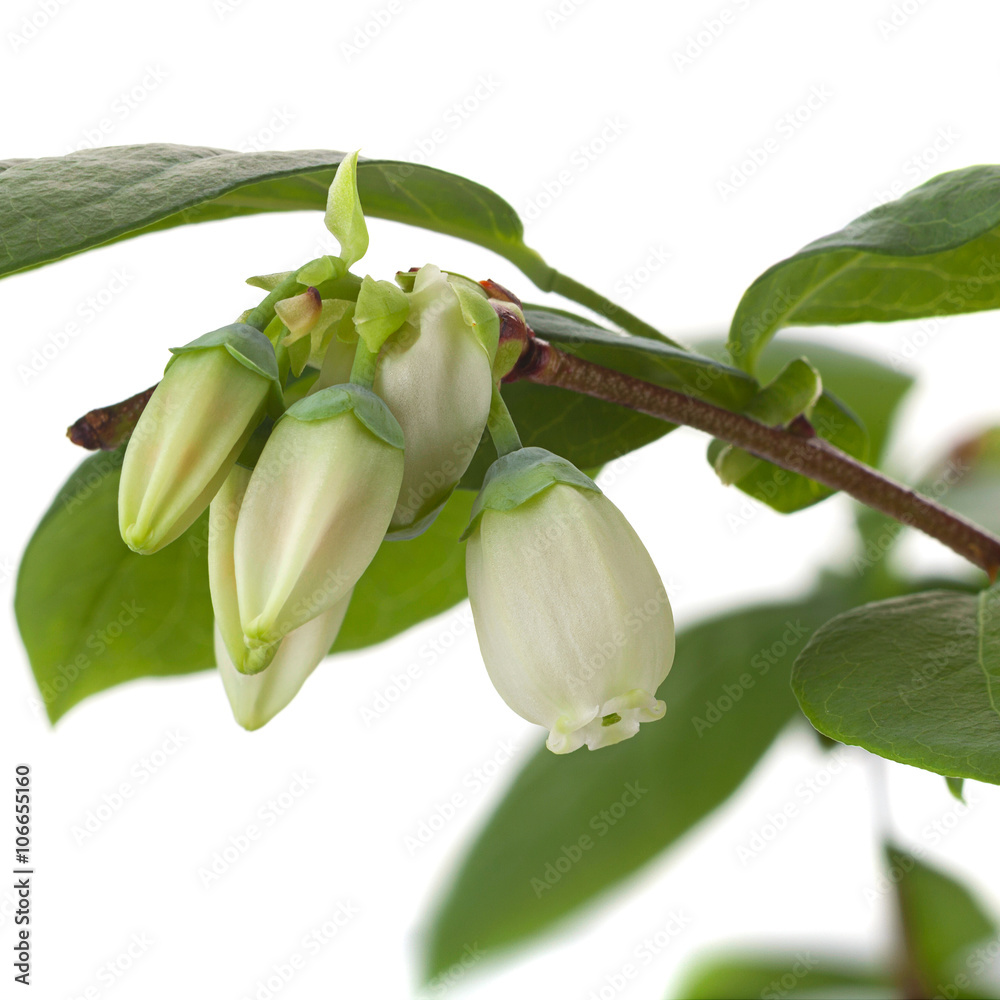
(191, 432)
(257, 699)
(434, 375)
(316, 509)
(573, 621)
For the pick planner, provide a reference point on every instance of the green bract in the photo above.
(516, 478)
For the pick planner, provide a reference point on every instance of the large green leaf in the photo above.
(784, 977)
(950, 940)
(94, 614)
(56, 206)
(590, 432)
(933, 252)
(915, 679)
(573, 826)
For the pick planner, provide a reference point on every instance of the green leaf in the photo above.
(915, 679)
(344, 216)
(793, 391)
(956, 786)
(553, 844)
(56, 206)
(933, 252)
(590, 432)
(784, 977)
(93, 614)
(945, 927)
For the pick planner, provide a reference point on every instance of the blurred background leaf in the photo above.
(950, 941)
(727, 699)
(785, 977)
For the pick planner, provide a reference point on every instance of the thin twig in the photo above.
(795, 448)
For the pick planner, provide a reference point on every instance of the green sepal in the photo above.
(517, 477)
(321, 269)
(344, 216)
(269, 282)
(406, 280)
(245, 343)
(298, 353)
(479, 315)
(363, 403)
(381, 310)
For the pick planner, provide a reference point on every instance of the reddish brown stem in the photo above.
(791, 448)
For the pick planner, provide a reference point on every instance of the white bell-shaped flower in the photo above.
(256, 699)
(193, 428)
(315, 511)
(573, 620)
(434, 375)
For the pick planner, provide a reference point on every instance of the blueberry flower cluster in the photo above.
(340, 414)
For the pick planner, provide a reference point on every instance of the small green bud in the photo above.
(191, 432)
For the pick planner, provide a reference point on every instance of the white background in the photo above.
(510, 95)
